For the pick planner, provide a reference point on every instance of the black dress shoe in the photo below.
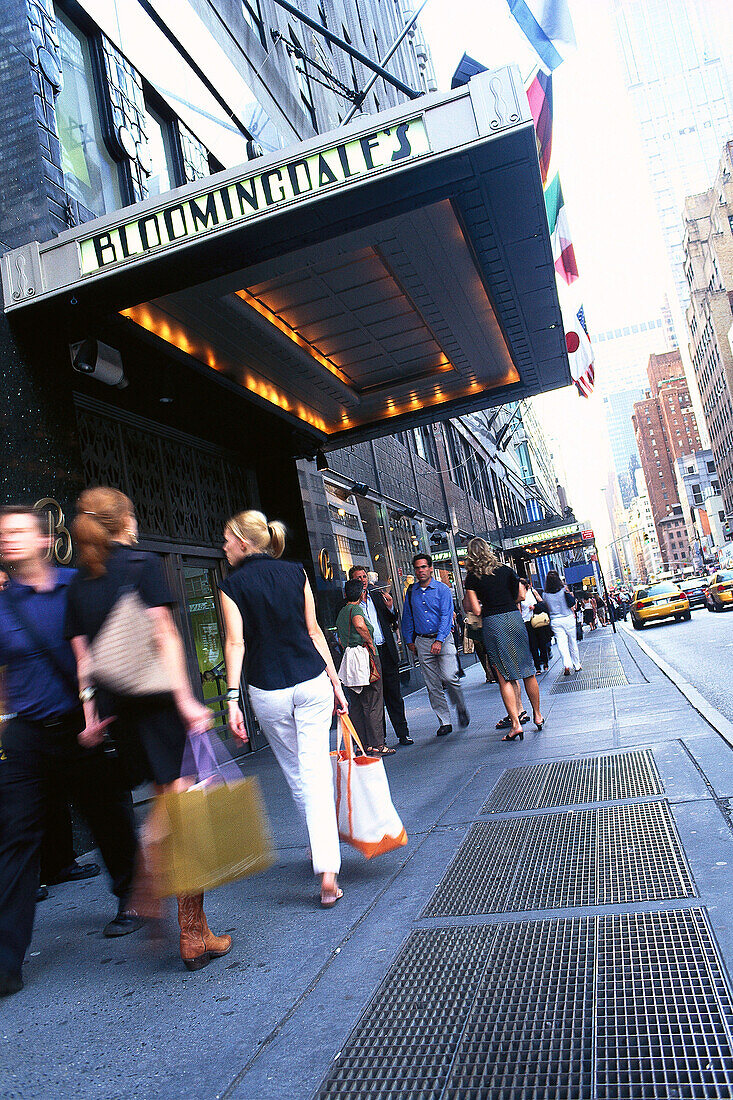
(406, 740)
(75, 872)
(126, 921)
(41, 893)
(444, 731)
(463, 719)
(10, 983)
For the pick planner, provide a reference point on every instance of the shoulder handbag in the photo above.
(570, 600)
(539, 620)
(124, 656)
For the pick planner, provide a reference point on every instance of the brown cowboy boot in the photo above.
(191, 920)
(215, 945)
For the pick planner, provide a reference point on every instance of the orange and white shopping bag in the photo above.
(366, 817)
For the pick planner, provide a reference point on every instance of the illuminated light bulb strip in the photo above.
(149, 319)
(290, 332)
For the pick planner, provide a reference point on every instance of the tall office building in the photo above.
(622, 353)
(709, 270)
(666, 428)
(678, 62)
(619, 408)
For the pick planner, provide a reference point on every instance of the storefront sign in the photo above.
(60, 548)
(552, 535)
(157, 230)
(588, 535)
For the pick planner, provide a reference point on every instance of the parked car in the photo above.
(694, 589)
(651, 603)
(719, 590)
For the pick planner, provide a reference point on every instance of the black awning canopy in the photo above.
(385, 275)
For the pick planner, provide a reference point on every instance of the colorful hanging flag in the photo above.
(539, 94)
(563, 252)
(548, 28)
(580, 354)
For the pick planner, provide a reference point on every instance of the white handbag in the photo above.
(355, 669)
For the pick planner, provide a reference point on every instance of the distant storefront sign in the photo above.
(550, 535)
(159, 229)
(588, 535)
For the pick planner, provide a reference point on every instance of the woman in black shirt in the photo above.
(493, 591)
(149, 730)
(270, 620)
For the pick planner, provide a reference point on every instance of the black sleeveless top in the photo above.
(279, 652)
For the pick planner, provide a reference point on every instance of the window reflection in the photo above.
(160, 147)
(91, 175)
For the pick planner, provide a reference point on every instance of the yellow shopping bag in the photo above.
(209, 835)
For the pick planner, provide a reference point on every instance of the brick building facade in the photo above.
(666, 428)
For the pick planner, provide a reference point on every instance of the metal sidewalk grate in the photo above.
(572, 782)
(590, 680)
(632, 1007)
(600, 856)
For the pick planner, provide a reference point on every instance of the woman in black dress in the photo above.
(149, 731)
(493, 591)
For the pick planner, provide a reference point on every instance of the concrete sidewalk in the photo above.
(116, 1019)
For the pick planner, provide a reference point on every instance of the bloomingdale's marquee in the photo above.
(242, 199)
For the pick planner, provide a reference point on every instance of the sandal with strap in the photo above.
(329, 900)
(505, 723)
(383, 751)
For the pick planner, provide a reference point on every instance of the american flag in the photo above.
(580, 354)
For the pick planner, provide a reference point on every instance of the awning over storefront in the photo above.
(375, 277)
(538, 538)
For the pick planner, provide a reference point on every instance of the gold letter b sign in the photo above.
(60, 548)
(324, 564)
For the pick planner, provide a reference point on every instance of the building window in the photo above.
(253, 18)
(304, 84)
(91, 175)
(161, 145)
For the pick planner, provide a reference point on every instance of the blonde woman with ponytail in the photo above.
(271, 627)
(149, 731)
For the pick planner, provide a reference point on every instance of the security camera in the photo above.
(99, 361)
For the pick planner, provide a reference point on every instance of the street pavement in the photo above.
(701, 650)
(120, 1019)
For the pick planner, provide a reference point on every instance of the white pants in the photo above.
(563, 627)
(297, 722)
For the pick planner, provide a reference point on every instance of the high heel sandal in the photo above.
(538, 725)
(513, 736)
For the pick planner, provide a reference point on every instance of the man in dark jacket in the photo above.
(378, 608)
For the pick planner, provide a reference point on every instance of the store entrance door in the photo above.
(205, 648)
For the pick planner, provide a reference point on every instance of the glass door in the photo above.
(206, 644)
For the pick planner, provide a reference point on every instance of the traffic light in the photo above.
(727, 531)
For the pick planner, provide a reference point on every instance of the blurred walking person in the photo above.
(427, 627)
(493, 590)
(150, 729)
(40, 698)
(271, 626)
(561, 602)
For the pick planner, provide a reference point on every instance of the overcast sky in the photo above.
(597, 150)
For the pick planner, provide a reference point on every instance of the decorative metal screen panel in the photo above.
(183, 489)
(629, 1007)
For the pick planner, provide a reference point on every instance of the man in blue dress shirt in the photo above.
(427, 627)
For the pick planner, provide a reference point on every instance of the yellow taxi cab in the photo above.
(719, 590)
(653, 602)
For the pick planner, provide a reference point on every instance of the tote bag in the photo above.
(366, 816)
(355, 669)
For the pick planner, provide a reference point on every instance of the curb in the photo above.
(711, 714)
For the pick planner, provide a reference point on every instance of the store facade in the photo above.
(353, 286)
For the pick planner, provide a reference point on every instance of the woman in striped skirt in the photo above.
(493, 591)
